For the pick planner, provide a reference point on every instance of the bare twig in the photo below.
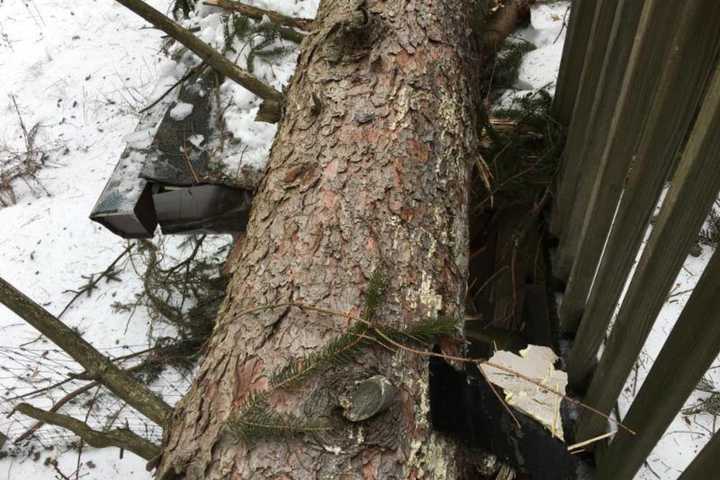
(82, 440)
(499, 397)
(196, 70)
(119, 382)
(211, 56)
(121, 438)
(80, 376)
(258, 13)
(589, 441)
(108, 273)
(77, 392)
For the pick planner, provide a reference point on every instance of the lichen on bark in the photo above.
(370, 169)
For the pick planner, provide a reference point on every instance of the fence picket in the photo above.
(633, 69)
(694, 342)
(574, 52)
(573, 164)
(617, 23)
(687, 68)
(689, 351)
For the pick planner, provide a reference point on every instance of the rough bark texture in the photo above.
(369, 171)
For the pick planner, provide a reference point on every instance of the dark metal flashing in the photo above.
(163, 176)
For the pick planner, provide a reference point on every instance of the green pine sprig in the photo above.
(258, 421)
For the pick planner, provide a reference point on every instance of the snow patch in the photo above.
(181, 111)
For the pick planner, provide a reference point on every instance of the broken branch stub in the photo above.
(370, 397)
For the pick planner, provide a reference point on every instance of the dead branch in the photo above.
(120, 437)
(196, 70)
(118, 381)
(258, 13)
(74, 394)
(211, 56)
(503, 20)
(109, 274)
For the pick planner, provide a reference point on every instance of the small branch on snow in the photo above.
(119, 382)
(79, 391)
(108, 274)
(258, 13)
(197, 70)
(210, 56)
(120, 437)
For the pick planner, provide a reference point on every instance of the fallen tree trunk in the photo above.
(368, 179)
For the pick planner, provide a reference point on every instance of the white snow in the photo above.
(82, 71)
(140, 139)
(181, 111)
(539, 68)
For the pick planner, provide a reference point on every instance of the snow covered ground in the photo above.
(77, 73)
(81, 71)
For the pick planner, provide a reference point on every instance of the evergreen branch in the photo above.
(338, 351)
(257, 420)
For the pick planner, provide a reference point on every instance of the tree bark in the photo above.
(369, 172)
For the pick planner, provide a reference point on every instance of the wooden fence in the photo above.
(639, 89)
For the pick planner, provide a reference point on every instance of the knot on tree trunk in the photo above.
(369, 397)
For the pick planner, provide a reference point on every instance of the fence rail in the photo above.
(642, 80)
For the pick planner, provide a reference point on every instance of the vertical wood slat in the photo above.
(694, 189)
(686, 354)
(612, 44)
(574, 52)
(679, 367)
(633, 71)
(708, 460)
(575, 49)
(686, 70)
(598, 37)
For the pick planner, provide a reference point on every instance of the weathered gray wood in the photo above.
(119, 382)
(574, 51)
(694, 190)
(679, 367)
(708, 460)
(687, 69)
(600, 29)
(628, 79)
